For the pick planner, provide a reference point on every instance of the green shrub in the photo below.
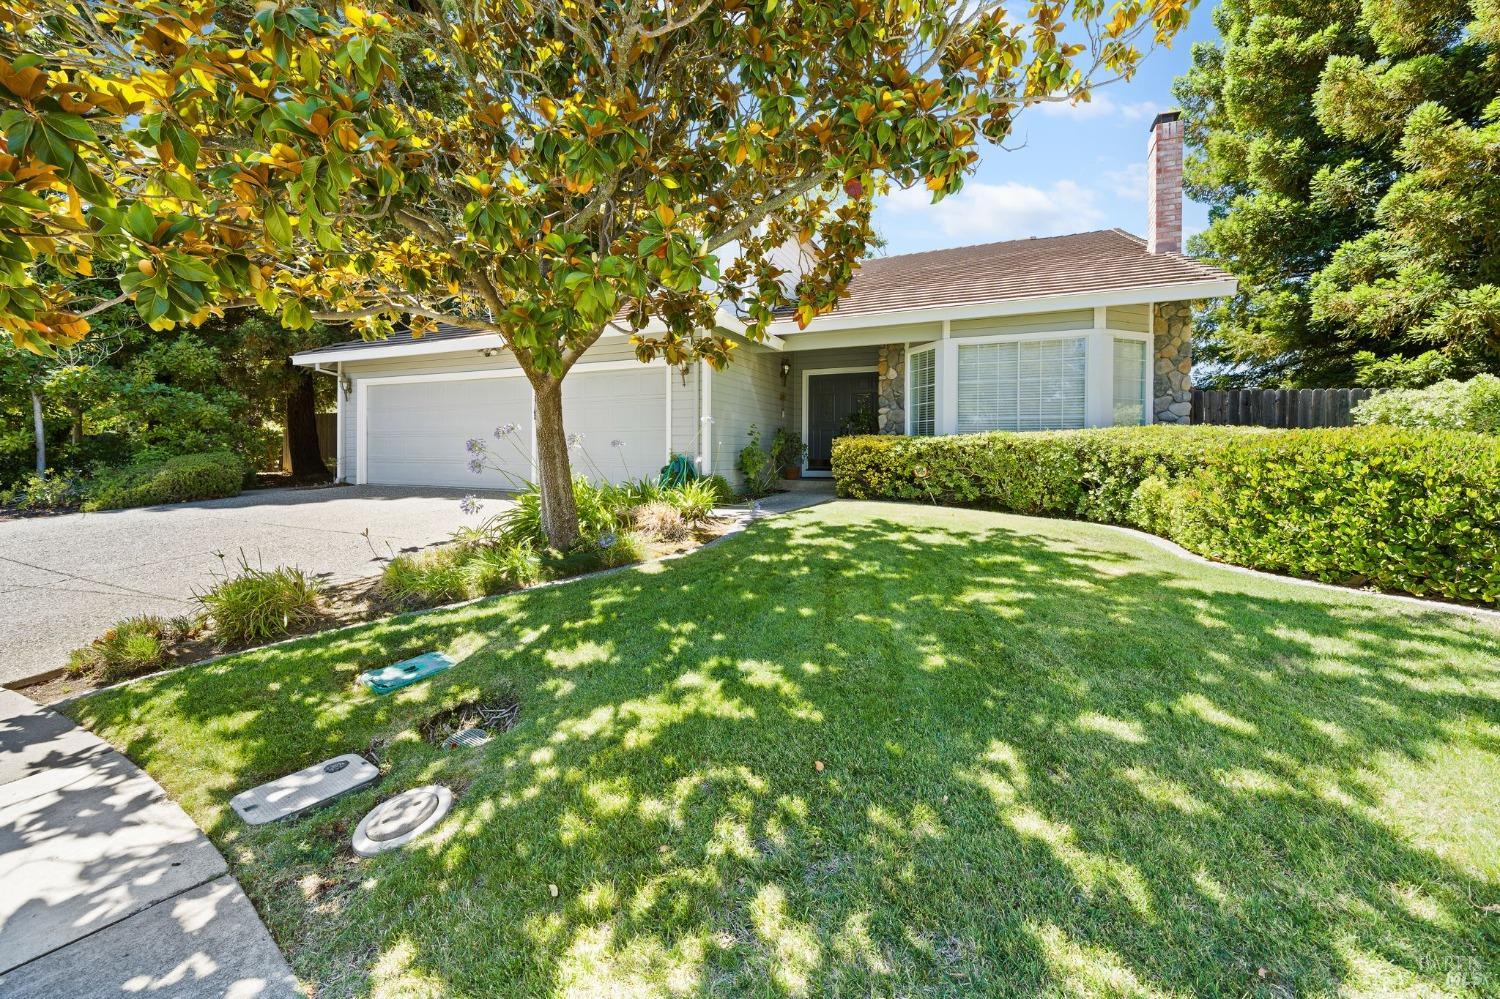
(695, 501)
(1089, 474)
(1408, 510)
(756, 465)
(602, 508)
(134, 646)
(420, 579)
(54, 491)
(622, 548)
(1414, 511)
(180, 479)
(1449, 405)
(258, 605)
(723, 492)
(459, 572)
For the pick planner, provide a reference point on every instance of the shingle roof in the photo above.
(1106, 260)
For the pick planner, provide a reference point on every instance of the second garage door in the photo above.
(619, 419)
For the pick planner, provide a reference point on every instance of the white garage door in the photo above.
(629, 406)
(415, 431)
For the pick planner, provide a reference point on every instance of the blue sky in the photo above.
(1076, 168)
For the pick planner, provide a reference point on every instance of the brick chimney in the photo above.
(1164, 177)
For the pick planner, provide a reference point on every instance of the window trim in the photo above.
(937, 384)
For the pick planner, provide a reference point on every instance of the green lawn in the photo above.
(1055, 759)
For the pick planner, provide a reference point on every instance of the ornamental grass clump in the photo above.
(135, 646)
(258, 605)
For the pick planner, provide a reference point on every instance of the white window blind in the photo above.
(1022, 385)
(1130, 382)
(922, 404)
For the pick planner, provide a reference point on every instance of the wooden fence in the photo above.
(1285, 408)
(328, 442)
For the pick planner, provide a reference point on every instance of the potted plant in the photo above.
(788, 452)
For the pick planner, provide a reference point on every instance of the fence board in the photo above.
(1283, 408)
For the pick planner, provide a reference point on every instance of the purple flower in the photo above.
(470, 505)
(504, 430)
(476, 466)
(575, 440)
(474, 445)
(607, 540)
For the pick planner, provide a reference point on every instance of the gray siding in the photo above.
(1036, 322)
(746, 392)
(1131, 318)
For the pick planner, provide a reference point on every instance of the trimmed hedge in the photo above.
(1408, 510)
(179, 479)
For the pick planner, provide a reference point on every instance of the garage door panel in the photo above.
(415, 431)
(628, 406)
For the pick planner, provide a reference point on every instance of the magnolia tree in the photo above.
(544, 170)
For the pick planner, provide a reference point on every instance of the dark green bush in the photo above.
(179, 479)
(1415, 511)
(1089, 474)
(1410, 510)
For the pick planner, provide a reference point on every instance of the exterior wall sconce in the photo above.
(786, 369)
(346, 384)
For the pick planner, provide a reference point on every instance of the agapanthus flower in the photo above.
(616, 443)
(607, 540)
(470, 505)
(575, 440)
(474, 445)
(476, 466)
(504, 430)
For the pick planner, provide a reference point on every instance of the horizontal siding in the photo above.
(746, 392)
(1131, 318)
(1036, 322)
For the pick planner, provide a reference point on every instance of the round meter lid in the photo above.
(399, 820)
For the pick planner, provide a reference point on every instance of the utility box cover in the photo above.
(294, 794)
(405, 673)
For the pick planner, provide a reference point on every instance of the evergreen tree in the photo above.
(1348, 153)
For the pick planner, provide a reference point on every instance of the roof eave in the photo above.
(1133, 295)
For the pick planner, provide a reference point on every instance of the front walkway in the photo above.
(109, 888)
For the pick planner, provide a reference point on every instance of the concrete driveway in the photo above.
(63, 580)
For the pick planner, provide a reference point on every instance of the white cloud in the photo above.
(1101, 106)
(1127, 182)
(984, 212)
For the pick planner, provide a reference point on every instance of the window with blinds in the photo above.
(1022, 385)
(922, 396)
(1130, 382)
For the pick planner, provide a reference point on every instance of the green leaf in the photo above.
(278, 226)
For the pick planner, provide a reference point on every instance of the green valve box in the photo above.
(405, 673)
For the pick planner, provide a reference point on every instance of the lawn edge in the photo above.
(742, 519)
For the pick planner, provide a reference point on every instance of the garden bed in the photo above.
(339, 605)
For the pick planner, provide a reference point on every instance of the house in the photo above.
(1086, 330)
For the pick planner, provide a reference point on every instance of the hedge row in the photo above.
(179, 479)
(1416, 511)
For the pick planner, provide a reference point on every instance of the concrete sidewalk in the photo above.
(110, 889)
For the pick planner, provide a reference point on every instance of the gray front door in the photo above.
(836, 405)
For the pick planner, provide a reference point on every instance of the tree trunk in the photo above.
(302, 424)
(555, 471)
(40, 427)
(77, 430)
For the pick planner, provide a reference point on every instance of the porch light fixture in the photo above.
(346, 384)
(786, 369)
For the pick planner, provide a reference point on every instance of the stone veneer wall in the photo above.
(891, 389)
(1173, 382)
